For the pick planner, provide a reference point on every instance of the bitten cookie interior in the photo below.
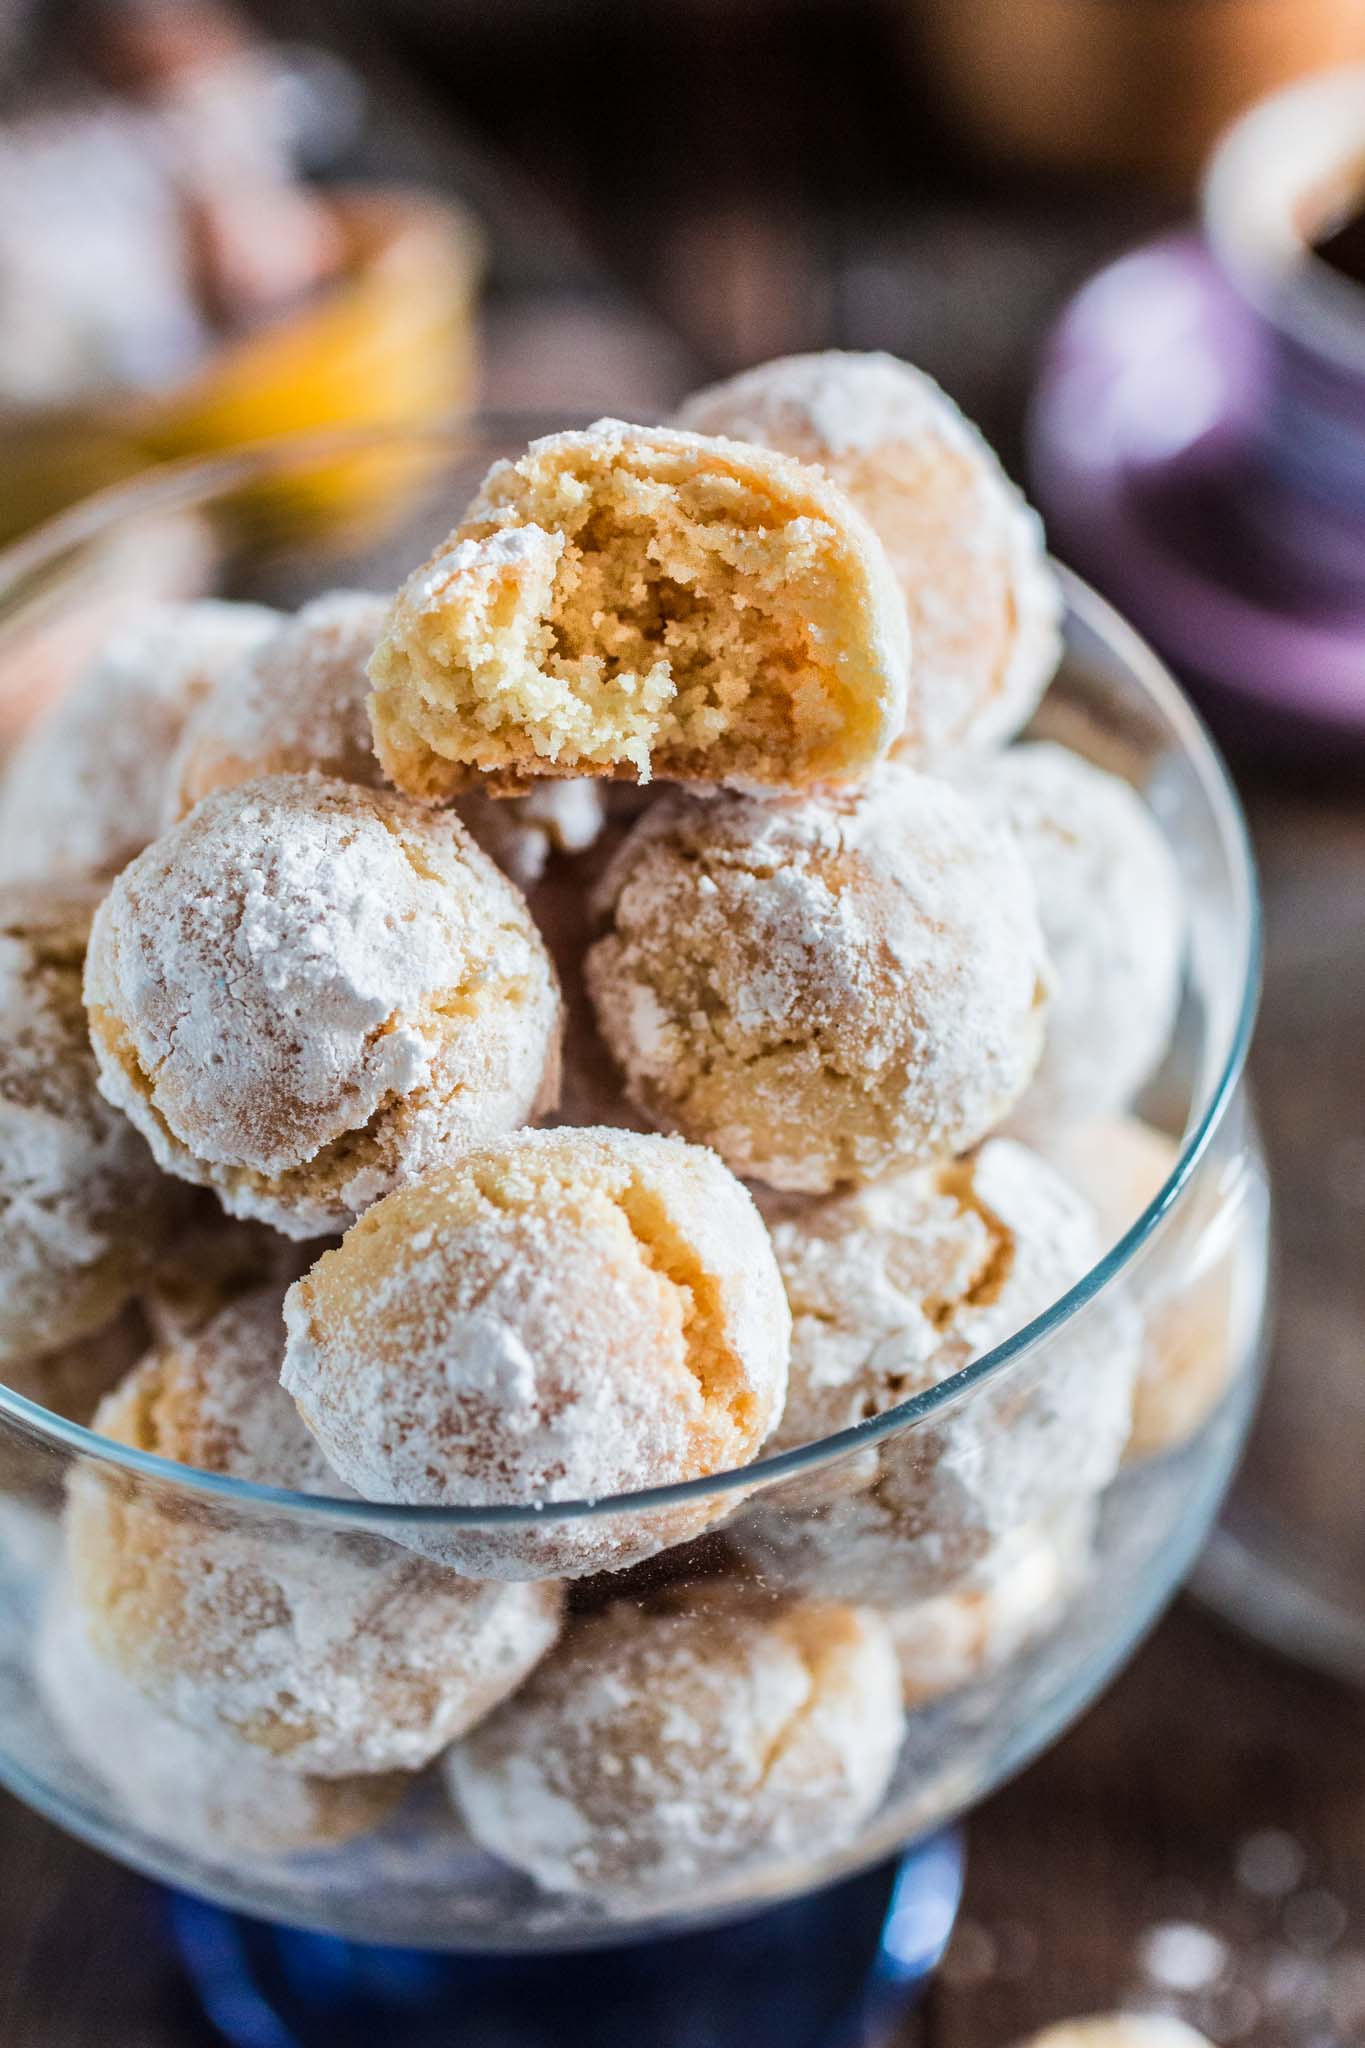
(638, 602)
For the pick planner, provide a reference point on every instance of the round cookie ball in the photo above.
(1191, 1294)
(565, 1315)
(636, 601)
(1120, 2030)
(1015, 1596)
(294, 702)
(336, 1654)
(307, 994)
(203, 1790)
(85, 790)
(913, 1516)
(82, 1203)
(897, 1286)
(1112, 912)
(821, 990)
(687, 1748)
(966, 550)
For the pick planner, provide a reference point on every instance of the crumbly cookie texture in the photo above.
(967, 552)
(201, 1789)
(825, 989)
(1110, 902)
(1190, 1350)
(564, 1315)
(637, 601)
(299, 703)
(295, 702)
(679, 1747)
(85, 791)
(896, 1286)
(1017, 1593)
(307, 993)
(82, 1202)
(1120, 2030)
(334, 1653)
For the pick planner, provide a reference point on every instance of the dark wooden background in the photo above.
(1199, 1839)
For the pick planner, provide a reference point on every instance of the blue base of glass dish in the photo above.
(832, 1970)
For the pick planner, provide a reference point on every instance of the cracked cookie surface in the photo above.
(682, 1744)
(82, 1202)
(561, 1316)
(966, 549)
(307, 993)
(330, 1652)
(825, 989)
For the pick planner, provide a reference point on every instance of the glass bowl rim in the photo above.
(184, 484)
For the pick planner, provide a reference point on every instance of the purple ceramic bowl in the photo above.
(1198, 433)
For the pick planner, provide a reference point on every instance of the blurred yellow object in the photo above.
(391, 344)
(1125, 85)
(50, 459)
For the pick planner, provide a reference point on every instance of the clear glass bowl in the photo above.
(1031, 1435)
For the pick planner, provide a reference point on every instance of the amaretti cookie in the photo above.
(676, 1748)
(825, 989)
(203, 1790)
(1191, 1299)
(966, 550)
(896, 1286)
(295, 702)
(561, 1316)
(82, 1202)
(1109, 900)
(641, 602)
(914, 1515)
(299, 704)
(308, 993)
(1120, 2030)
(1016, 1594)
(85, 790)
(336, 1654)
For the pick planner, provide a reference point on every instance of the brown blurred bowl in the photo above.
(1124, 85)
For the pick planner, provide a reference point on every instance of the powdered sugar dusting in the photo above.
(335, 1653)
(1110, 903)
(967, 551)
(896, 1286)
(81, 1201)
(300, 963)
(85, 790)
(1019, 1590)
(203, 1789)
(679, 1747)
(825, 988)
(296, 702)
(568, 1315)
(521, 833)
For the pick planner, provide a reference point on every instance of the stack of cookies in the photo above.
(617, 1010)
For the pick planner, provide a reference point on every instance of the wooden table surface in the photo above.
(1199, 1838)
